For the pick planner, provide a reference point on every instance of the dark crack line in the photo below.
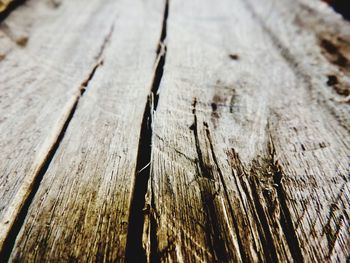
(19, 221)
(202, 168)
(134, 248)
(286, 218)
(105, 43)
(227, 196)
(161, 57)
(265, 233)
(85, 84)
(263, 228)
(235, 175)
(214, 239)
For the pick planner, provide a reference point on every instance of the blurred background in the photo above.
(341, 6)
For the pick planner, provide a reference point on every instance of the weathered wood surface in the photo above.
(42, 71)
(250, 147)
(177, 131)
(85, 206)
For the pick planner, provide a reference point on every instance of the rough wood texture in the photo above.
(42, 71)
(83, 199)
(175, 131)
(250, 150)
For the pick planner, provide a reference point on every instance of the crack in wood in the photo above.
(242, 251)
(213, 233)
(21, 216)
(134, 247)
(268, 169)
(105, 43)
(216, 241)
(266, 235)
(264, 232)
(86, 82)
(240, 182)
(333, 234)
(203, 169)
(286, 219)
(9, 242)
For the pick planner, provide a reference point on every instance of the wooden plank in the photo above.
(320, 43)
(42, 70)
(244, 138)
(250, 149)
(81, 209)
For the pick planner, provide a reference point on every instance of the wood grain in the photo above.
(175, 131)
(81, 209)
(42, 70)
(250, 151)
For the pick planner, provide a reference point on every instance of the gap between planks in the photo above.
(134, 248)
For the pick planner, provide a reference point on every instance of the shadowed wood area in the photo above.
(174, 131)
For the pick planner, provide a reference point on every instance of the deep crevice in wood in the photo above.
(265, 234)
(10, 240)
(154, 253)
(134, 248)
(285, 219)
(213, 232)
(253, 198)
(227, 196)
(19, 221)
(203, 169)
(215, 239)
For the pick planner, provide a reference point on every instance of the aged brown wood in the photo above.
(175, 131)
(250, 146)
(81, 207)
(42, 70)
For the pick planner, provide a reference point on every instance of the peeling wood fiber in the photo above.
(174, 131)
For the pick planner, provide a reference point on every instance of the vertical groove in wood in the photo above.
(135, 250)
(232, 147)
(36, 104)
(84, 204)
(246, 107)
(8, 243)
